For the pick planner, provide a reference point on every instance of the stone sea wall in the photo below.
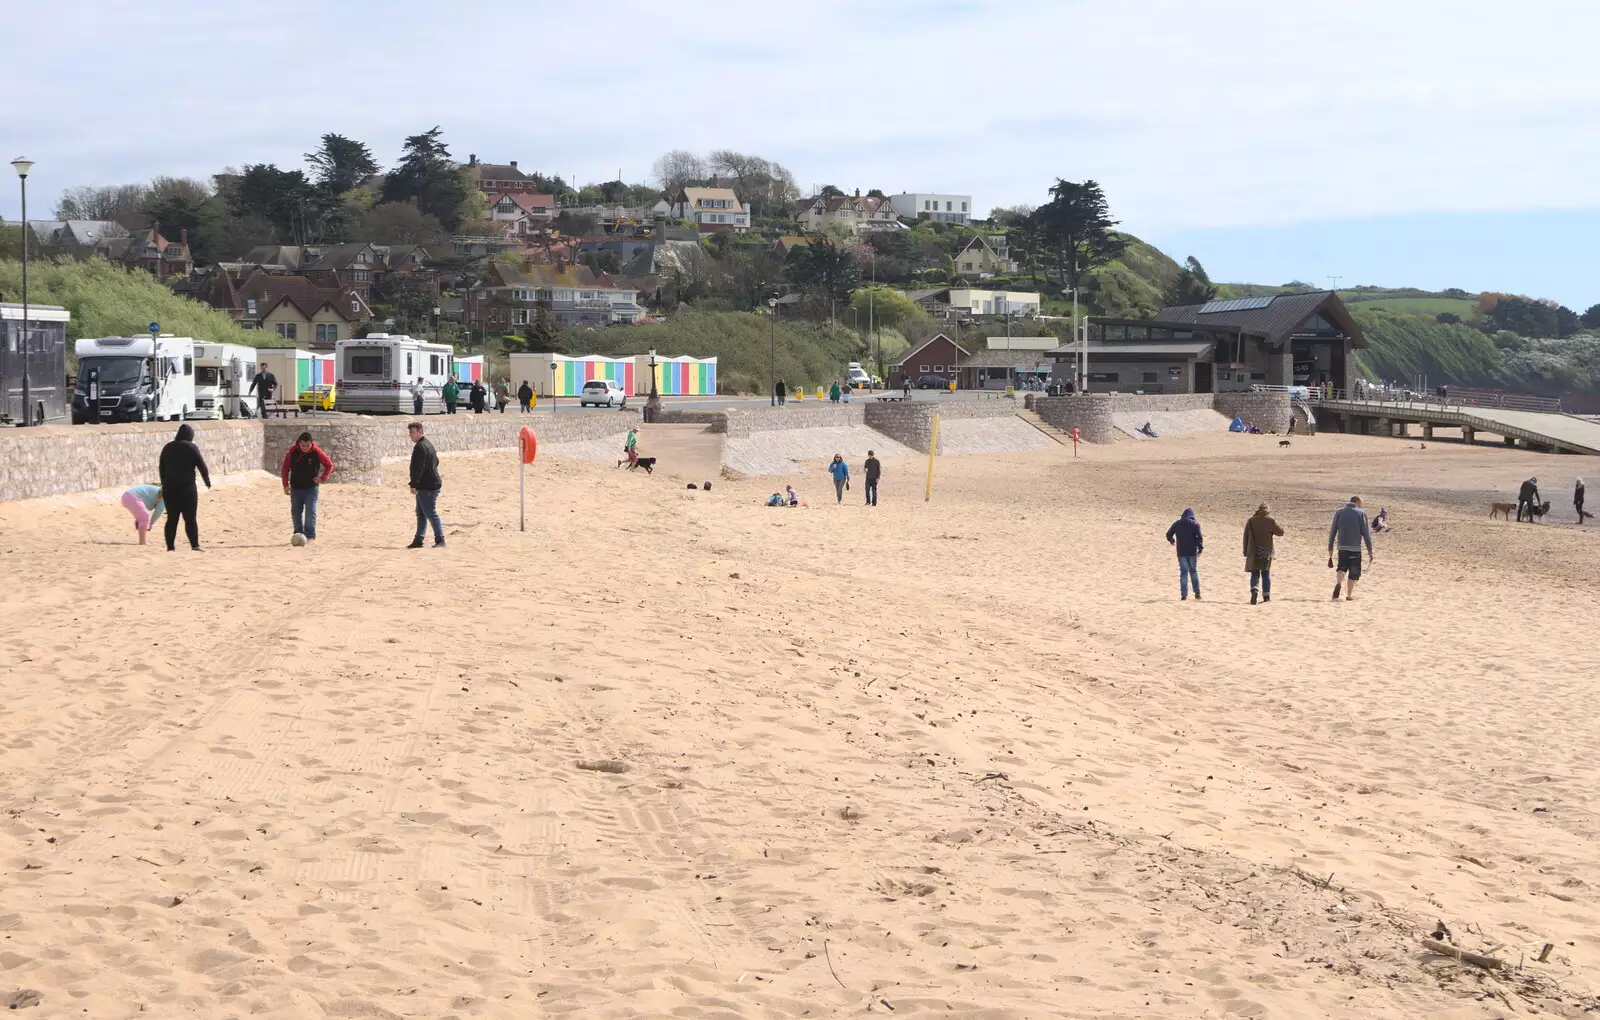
(55, 459)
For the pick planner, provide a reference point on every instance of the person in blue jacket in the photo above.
(1185, 536)
(841, 476)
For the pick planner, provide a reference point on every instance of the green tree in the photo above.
(1075, 231)
(405, 297)
(1591, 317)
(829, 191)
(1192, 287)
(888, 308)
(341, 163)
(826, 267)
(427, 175)
(277, 196)
(401, 223)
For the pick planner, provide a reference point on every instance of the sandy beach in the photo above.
(970, 758)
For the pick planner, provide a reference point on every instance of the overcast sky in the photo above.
(1271, 139)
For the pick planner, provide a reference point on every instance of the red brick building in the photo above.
(936, 357)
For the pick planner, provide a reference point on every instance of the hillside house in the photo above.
(493, 178)
(522, 212)
(928, 206)
(985, 256)
(156, 255)
(711, 210)
(574, 295)
(855, 212)
(967, 303)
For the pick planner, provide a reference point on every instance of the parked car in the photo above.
(932, 382)
(319, 397)
(602, 393)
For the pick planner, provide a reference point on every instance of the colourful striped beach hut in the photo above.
(566, 379)
(679, 377)
(470, 370)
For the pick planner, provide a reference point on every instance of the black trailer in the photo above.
(33, 359)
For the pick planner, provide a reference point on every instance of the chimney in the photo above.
(513, 164)
(183, 237)
(472, 159)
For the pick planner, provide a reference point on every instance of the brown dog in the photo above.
(1504, 509)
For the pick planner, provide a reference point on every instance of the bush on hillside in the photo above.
(1406, 346)
(107, 300)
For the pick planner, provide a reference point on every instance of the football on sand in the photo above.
(298, 539)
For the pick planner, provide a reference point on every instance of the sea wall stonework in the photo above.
(55, 459)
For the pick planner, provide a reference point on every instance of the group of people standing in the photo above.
(1530, 508)
(303, 470)
(1349, 533)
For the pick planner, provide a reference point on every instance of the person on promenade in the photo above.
(781, 390)
(264, 385)
(873, 469)
(1527, 499)
(1185, 536)
(425, 485)
(1577, 501)
(305, 467)
(630, 449)
(525, 396)
(905, 386)
(1259, 532)
(833, 393)
(478, 393)
(451, 394)
(1349, 531)
(841, 476)
(502, 395)
(180, 459)
(146, 505)
(417, 393)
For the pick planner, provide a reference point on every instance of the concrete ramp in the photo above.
(782, 451)
(1169, 423)
(1550, 429)
(992, 435)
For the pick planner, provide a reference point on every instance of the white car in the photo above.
(602, 393)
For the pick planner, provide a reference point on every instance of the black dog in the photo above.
(648, 463)
(1283, 442)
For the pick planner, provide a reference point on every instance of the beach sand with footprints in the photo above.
(966, 758)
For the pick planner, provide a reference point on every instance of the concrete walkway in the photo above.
(1558, 431)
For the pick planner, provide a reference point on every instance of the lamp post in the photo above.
(22, 166)
(772, 351)
(652, 406)
(877, 346)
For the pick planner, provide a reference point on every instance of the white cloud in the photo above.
(1220, 113)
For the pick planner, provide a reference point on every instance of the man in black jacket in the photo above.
(263, 386)
(1527, 499)
(180, 459)
(425, 483)
(1186, 537)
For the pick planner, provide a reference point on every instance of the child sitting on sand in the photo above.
(776, 499)
(146, 504)
(792, 496)
(1381, 522)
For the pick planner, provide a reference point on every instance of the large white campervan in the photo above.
(374, 374)
(134, 378)
(222, 374)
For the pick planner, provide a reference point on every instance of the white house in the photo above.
(928, 206)
(712, 209)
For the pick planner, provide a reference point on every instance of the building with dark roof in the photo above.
(498, 177)
(1221, 346)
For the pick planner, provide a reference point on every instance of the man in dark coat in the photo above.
(1259, 532)
(180, 459)
(425, 486)
(1527, 499)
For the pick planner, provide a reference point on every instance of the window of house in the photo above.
(327, 332)
(949, 206)
(1149, 377)
(922, 368)
(358, 274)
(288, 330)
(938, 368)
(362, 257)
(963, 207)
(521, 317)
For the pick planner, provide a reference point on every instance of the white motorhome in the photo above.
(374, 374)
(134, 378)
(222, 374)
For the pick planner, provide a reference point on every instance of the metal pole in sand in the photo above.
(933, 447)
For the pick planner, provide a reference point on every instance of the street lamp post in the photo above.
(772, 351)
(22, 166)
(877, 346)
(652, 406)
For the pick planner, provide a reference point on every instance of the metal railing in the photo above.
(1376, 394)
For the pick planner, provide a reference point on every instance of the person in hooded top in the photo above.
(1186, 538)
(180, 461)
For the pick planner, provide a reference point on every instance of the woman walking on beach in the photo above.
(180, 461)
(1259, 532)
(1577, 501)
(841, 476)
(146, 505)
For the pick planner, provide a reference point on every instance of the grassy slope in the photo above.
(106, 300)
(1402, 347)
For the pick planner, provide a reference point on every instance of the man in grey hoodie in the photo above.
(1350, 530)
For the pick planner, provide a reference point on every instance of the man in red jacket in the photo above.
(305, 468)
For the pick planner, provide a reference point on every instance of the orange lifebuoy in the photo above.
(529, 444)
